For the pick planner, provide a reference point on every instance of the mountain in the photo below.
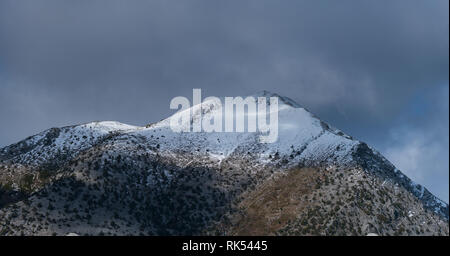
(108, 178)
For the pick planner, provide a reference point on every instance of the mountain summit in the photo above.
(112, 178)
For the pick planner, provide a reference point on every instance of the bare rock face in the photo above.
(106, 178)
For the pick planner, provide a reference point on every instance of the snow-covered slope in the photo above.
(301, 137)
(58, 142)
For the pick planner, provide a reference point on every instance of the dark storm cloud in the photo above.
(356, 64)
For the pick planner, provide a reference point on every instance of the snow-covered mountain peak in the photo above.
(108, 126)
(282, 99)
(300, 135)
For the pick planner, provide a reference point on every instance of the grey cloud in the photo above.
(419, 143)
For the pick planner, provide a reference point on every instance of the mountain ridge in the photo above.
(154, 152)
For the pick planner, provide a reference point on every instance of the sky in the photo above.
(378, 70)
